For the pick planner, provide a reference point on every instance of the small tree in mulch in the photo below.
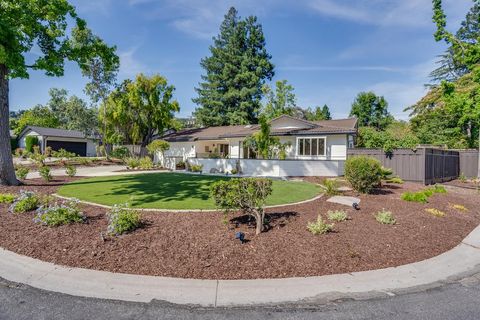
(363, 173)
(246, 194)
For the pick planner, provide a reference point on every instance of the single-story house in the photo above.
(314, 147)
(70, 140)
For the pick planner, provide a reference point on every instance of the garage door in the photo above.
(79, 148)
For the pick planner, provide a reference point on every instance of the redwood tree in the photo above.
(42, 24)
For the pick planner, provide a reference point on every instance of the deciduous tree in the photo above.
(371, 110)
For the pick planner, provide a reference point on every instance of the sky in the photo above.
(329, 50)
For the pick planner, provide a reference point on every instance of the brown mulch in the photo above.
(199, 245)
(469, 184)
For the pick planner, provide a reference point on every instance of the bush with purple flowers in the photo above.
(59, 214)
(26, 201)
(122, 219)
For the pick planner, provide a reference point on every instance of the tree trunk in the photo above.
(260, 218)
(7, 171)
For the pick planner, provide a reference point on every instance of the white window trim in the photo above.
(297, 153)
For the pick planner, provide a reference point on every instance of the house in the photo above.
(314, 147)
(70, 140)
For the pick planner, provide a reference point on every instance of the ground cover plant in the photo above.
(385, 217)
(459, 207)
(330, 186)
(7, 197)
(70, 170)
(423, 195)
(319, 226)
(122, 219)
(45, 173)
(435, 212)
(60, 214)
(363, 173)
(21, 172)
(25, 202)
(337, 215)
(172, 190)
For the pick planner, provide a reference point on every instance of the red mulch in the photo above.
(199, 245)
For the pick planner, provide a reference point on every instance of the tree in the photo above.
(371, 110)
(397, 135)
(262, 142)
(43, 24)
(280, 101)
(237, 68)
(319, 113)
(158, 146)
(137, 110)
(40, 116)
(246, 194)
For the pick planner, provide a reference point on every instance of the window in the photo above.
(311, 146)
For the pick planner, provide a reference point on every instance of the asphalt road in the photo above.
(456, 300)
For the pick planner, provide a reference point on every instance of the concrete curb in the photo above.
(186, 210)
(463, 259)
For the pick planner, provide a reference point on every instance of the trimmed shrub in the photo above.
(337, 215)
(7, 198)
(30, 141)
(363, 173)
(45, 173)
(21, 172)
(57, 215)
(319, 227)
(25, 202)
(330, 186)
(145, 163)
(122, 219)
(385, 217)
(121, 152)
(132, 163)
(435, 212)
(196, 168)
(70, 170)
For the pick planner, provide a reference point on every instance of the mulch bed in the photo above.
(199, 245)
(469, 184)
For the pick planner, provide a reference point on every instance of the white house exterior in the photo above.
(315, 148)
(70, 140)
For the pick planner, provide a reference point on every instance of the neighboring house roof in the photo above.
(347, 126)
(53, 132)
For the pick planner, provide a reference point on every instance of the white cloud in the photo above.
(129, 64)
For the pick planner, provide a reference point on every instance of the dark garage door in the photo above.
(79, 148)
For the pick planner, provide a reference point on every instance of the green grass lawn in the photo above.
(171, 190)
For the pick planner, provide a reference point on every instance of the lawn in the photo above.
(172, 190)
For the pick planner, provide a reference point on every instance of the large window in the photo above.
(311, 146)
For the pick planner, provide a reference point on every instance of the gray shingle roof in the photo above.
(53, 132)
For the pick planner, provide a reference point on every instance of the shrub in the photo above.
(132, 162)
(63, 154)
(234, 171)
(70, 170)
(385, 217)
(415, 197)
(48, 152)
(19, 152)
(386, 173)
(396, 180)
(25, 202)
(330, 186)
(319, 227)
(180, 165)
(7, 198)
(438, 189)
(158, 146)
(45, 173)
(459, 207)
(21, 172)
(462, 177)
(196, 168)
(84, 161)
(363, 173)
(30, 141)
(56, 215)
(435, 212)
(246, 194)
(122, 219)
(337, 215)
(145, 163)
(120, 152)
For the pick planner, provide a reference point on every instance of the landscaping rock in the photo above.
(345, 200)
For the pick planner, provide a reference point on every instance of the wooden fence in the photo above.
(469, 162)
(425, 165)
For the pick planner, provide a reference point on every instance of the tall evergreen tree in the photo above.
(319, 113)
(371, 110)
(236, 70)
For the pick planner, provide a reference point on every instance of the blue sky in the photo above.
(329, 50)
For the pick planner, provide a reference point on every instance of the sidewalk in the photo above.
(463, 259)
(98, 171)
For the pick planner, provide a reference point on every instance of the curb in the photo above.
(463, 259)
(185, 210)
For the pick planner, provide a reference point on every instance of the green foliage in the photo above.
(136, 110)
(386, 173)
(337, 215)
(330, 186)
(246, 194)
(385, 217)
(234, 171)
(279, 101)
(396, 180)
(45, 173)
(237, 68)
(196, 168)
(396, 135)
(462, 177)
(7, 197)
(122, 219)
(158, 146)
(56, 215)
(371, 111)
(415, 197)
(39, 116)
(25, 202)
(120, 152)
(132, 162)
(319, 226)
(21, 172)
(145, 163)
(30, 141)
(70, 170)
(265, 145)
(63, 154)
(363, 173)
(319, 113)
